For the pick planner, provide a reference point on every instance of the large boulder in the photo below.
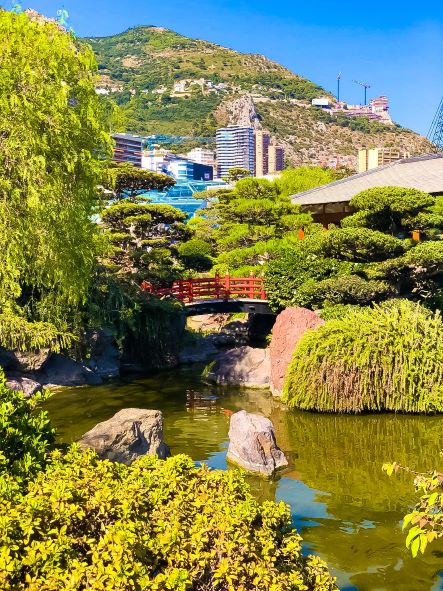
(128, 435)
(24, 361)
(63, 371)
(28, 387)
(289, 327)
(243, 366)
(252, 444)
(105, 356)
(198, 350)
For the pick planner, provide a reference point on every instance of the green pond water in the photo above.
(348, 511)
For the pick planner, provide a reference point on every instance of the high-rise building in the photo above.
(235, 149)
(128, 148)
(262, 141)
(276, 159)
(375, 157)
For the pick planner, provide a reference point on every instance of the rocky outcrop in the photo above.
(243, 366)
(290, 326)
(28, 387)
(64, 371)
(105, 356)
(24, 361)
(128, 435)
(252, 444)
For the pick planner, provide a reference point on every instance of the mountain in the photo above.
(165, 83)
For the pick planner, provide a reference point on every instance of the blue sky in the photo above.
(398, 49)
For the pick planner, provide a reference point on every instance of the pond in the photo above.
(348, 511)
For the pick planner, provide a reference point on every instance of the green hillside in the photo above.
(166, 83)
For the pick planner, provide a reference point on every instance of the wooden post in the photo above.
(217, 286)
(301, 234)
(227, 286)
(251, 285)
(180, 290)
(416, 235)
(191, 291)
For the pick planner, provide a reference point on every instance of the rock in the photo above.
(28, 387)
(198, 351)
(206, 323)
(63, 371)
(243, 366)
(105, 356)
(128, 435)
(252, 444)
(289, 327)
(24, 361)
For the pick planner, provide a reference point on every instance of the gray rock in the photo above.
(243, 366)
(128, 435)
(105, 356)
(25, 385)
(63, 371)
(24, 361)
(198, 351)
(252, 444)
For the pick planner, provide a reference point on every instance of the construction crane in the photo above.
(365, 86)
(435, 134)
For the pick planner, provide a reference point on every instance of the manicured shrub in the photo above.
(350, 289)
(389, 357)
(196, 254)
(25, 436)
(156, 525)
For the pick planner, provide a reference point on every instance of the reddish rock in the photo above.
(290, 326)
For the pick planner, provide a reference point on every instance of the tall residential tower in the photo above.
(235, 149)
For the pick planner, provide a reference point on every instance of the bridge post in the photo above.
(262, 292)
(251, 286)
(217, 286)
(191, 290)
(227, 286)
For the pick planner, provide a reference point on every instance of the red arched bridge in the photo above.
(207, 295)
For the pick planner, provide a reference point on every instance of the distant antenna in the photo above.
(365, 86)
(436, 130)
(338, 86)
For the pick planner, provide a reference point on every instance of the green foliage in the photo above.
(350, 289)
(145, 327)
(425, 521)
(389, 357)
(50, 150)
(300, 179)
(312, 272)
(16, 333)
(196, 254)
(127, 181)
(394, 210)
(26, 438)
(237, 173)
(155, 525)
(336, 311)
(145, 239)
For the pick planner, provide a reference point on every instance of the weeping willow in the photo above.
(51, 143)
(389, 357)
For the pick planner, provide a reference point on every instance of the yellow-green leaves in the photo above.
(157, 526)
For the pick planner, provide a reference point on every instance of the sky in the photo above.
(397, 49)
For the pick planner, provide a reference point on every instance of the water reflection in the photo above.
(348, 510)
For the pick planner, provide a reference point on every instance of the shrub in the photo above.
(386, 358)
(92, 524)
(196, 254)
(17, 333)
(25, 435)
(350, 289)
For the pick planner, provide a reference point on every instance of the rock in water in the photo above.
(128, 435)
(289, 328)
(252, 444)
(25, 385)
(243, 366)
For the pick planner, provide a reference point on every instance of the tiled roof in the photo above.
(424, 173)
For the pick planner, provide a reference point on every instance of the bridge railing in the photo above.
(218, 288)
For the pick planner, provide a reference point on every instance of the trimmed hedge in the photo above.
(389, 357)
